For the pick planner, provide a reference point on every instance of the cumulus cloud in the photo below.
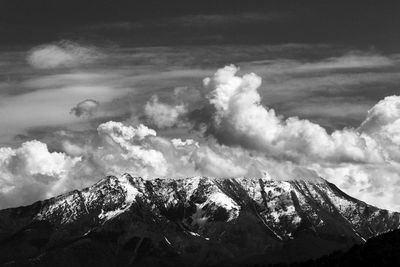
(87, 107)
(31, 172)
(140, 151)
(163, 115)
(377, 184)
(34, 158)
(383, 124)
(62, 54)
(353, 158)
(127, 144)
(384, 114)
(239, 118)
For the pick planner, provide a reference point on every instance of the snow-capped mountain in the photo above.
(129, 221)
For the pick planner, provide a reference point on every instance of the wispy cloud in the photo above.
(49, 107)
(62, 54)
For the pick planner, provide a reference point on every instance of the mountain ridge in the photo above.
(214, 220)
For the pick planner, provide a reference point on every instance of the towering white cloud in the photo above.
(34, 158)
(240, 119)
(386, 112)
(363, 161)
(383, 124)
(127, 144)
(31, 172)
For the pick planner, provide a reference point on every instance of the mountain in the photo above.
(380, 251)
(198, 221)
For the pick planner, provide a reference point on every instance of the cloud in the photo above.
(85, 108)
(31, 172)
(129, 143)
(62, 54)
(298, 86)
(120, 148)
(163, 115)
(177, 142)
(47, 107)
(383, 124)
(351, 60)
(376, 184)
(119, 133)
(353, 158)
(138, 150)
(385, 113)
(211, 163)
(157, 70)
(33, 158)
(240, 119)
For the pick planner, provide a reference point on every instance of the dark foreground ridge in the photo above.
(380, 251)
(198, 221)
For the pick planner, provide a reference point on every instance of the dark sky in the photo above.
(175, 22)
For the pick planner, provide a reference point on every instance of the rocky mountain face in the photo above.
(199, 221)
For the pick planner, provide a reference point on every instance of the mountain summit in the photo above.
(198, 221)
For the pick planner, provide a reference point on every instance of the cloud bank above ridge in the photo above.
(351, 158)
(242, 138)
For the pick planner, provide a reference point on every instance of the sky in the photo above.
(275, 89)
